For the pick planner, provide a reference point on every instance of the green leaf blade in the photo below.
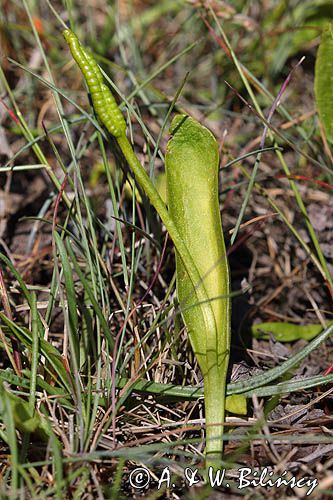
(323, 85)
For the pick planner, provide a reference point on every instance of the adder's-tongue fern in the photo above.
(194, 224)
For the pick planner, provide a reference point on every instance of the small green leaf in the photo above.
(236, 404)
(20, 411)
(323, 85)
(286, 332)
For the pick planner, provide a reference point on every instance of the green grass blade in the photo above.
(189, 392)
(87, 287)
(46, 349)
(71, 297)
(34, 354)
(6, 412)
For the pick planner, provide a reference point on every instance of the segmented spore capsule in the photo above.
(104, 103)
